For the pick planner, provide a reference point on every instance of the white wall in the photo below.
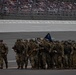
(36, 25)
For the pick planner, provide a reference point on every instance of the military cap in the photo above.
(1, 40)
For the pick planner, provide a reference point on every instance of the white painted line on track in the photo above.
(10, 61)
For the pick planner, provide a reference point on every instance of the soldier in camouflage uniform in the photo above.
(26, 53)
(56, 54)
(60, 54)
(19, 49)
(42, 55)
(68, 52)
(47, 52)
(32, 52)
(38, 42)
(1, 59)
(4, 52)
(74, 55)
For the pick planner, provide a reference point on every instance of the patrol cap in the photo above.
(69, 43)
(19, 39)
(31, 40)
(25, 40)
(1, 40)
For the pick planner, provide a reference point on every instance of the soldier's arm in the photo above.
(27, 51)
(14, 48)
(72, 50)
(50, 50)
(36, 47)
(62, 50)
(23, 48)
(6, 48)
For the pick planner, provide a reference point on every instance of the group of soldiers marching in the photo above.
(41, 53)
(44, 54)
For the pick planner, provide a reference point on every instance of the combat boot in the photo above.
(6, 66)
(25, 67)
(1, 67)
(18, 67)
(21, 67)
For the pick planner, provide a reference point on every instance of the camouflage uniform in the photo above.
(56, 55)
(4, 52)
(68, 51)
(25, 53)
(42, 55)
(32, 52)
(1, 61)
(48, 57)
(60, 55)
(74, 56)
(19, 49)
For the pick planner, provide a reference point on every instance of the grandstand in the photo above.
(38, 9)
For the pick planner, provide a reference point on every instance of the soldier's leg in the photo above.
(22, 64)
(55, 61)
(66, 61)
(69, 61)
(32, 62)
(48, 60)
(74, 60)
(52, 61)
(18, 62)
(22, 61)
(36, 62)
(26, 62)
(59, 62)
(40, 61)
(5, 60)
(44, 60)
(1, 63)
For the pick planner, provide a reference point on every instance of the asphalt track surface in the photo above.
(10, 39)
(37, 72)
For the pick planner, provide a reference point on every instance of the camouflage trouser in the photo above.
(67, 61)
(20, 61)
(26, 61)
(5, 60)
(55, 60)
(1, 62)
(60, 64)
(34, 61)
(74, 59)
(48, 61)
(42, 60)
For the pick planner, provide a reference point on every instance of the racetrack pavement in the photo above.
(12, 70)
